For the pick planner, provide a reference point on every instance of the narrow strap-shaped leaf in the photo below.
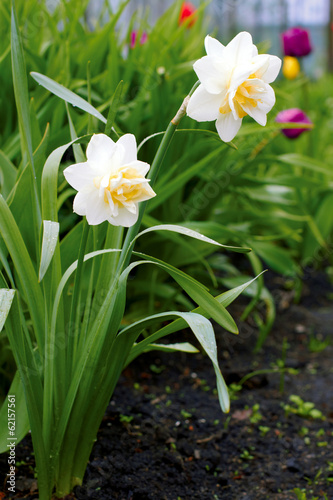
(50, 179)
(77, 149)
(114, 107)
(22, 423)
(225, 298)
(49, 242)
(67, 95)
(20, 84)
(196, 291)
(6, 299)
(192, 234)
(202, 329)
(8, 174)
(13, 240)
(178, 347)
(49, 369)
(303, 161)
(33, 391)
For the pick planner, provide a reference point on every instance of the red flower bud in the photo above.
(187, 10)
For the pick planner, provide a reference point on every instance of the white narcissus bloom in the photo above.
(234, 82)
(111, 182)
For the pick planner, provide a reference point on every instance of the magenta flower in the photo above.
(296, 42)
(293, 115)
(134, 37)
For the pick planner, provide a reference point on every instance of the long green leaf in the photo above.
(305, 162)
(225, 298)
(25, 270)
(50, 179)
(33, 390)
(6, 299)
(50, 239)
(22, 422)
(197, 292)
(202, 329)
(192, 234)
(67, 95)
(8, 174)
(20, 84)
(178, 347)
(114, 107)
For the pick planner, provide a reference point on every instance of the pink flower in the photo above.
(296, 42)
(293, 115)
(134, 36)
(187, 11)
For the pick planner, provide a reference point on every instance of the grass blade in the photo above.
(49, 243)
(67, 95)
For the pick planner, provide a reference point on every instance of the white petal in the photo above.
(203, 106)
(128, 142)
(243, 71)
(259, 115)
(213, 47)
(124, 218)
(240, 49)
(274, 66)
(141, 167)
(254, 51)
(211, 73)
(90, 204)
(267, 101)
(146, 194)
(80, 203)
(80, 175)
(231, 96)
(227, 127)
(240, 74)
(100, 148)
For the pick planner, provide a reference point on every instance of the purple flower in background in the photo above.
(296, 42)
(293, 115)
(134, 36)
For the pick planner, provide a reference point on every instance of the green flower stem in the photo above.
(133, 230)
(153, 173)
(73, 327)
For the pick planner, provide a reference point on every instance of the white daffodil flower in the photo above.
(111, 182)
(234, 82)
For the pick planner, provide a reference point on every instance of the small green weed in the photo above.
(125, 419)
(316, 344)
(263, 430)
(304, 409)
(246, 455)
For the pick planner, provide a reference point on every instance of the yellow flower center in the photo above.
(241, 98)
(122, 191)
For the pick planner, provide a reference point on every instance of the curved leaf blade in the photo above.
(6, 299)
(204, 332)
(22, 424)
(49, 243)
(196, 291)
(192, 234)
(67, 95)
(13, 240)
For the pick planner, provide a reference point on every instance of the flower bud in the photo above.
(291, 67)
(293, 115)
(296, 42)
(187, 10)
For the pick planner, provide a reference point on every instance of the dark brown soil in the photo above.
(164, 437)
